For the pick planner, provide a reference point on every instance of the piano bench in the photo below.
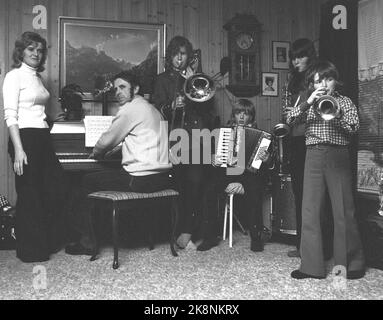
(120, 198)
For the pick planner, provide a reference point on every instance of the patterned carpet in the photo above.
(221, 273)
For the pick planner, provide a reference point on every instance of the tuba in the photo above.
(327, 107)
(198, 88)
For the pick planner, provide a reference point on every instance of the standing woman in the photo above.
(302, 54)
(38, 172)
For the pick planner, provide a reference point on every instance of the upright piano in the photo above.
(69, 144)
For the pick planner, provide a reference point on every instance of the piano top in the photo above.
(68, 127)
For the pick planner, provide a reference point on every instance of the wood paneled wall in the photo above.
(201, 21)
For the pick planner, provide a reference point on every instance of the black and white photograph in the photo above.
(270, 84)
(191, 157)
(280, 51)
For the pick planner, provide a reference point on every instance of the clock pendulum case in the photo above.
(244, 54)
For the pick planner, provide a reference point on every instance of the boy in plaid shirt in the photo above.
(328, 167)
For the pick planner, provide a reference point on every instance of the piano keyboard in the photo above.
(69, 143)
(80, 157)
(79, 161)
(68, 155)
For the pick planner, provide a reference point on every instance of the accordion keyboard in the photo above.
(225, 135)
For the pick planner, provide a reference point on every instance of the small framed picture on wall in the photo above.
(280, 51)
(270, 84)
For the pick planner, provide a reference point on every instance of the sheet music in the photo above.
(95, 126)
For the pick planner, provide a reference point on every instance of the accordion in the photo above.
(240, 146)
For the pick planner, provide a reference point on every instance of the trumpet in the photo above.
(327, 107)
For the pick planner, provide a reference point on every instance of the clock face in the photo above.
(244, 40)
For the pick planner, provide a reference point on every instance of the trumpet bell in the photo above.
(328, 107)
(199, 87)
(281, 130)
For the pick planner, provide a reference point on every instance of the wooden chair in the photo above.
(131, 200)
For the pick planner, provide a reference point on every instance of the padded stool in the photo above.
(229, 207)
(119, 198)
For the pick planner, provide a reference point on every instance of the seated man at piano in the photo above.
(145, 163)
(254, 184)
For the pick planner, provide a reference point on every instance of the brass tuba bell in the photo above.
(199, 87)
(327, 107)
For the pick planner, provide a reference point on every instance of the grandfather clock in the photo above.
(244, 43)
